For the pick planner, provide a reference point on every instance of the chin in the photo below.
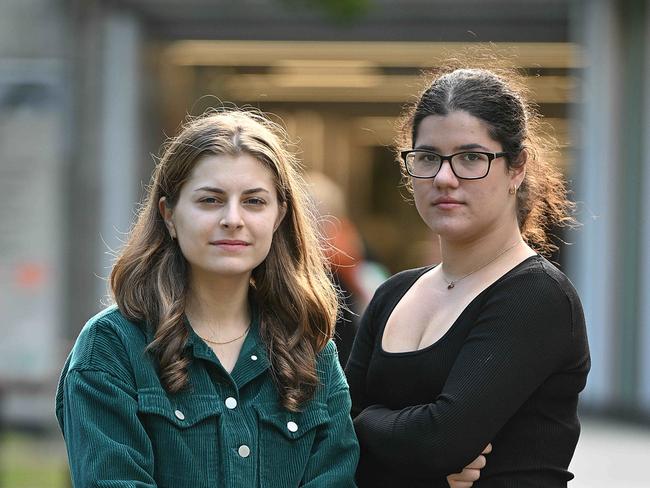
(227, 269)
(451, 232)
(446, 226)
(232, 270)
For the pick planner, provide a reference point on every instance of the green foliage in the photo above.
(343, 11)
(29, 461)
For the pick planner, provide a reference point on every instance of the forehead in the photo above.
(456, 128)
(239, 171)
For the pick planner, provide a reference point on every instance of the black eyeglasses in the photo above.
(466, 165)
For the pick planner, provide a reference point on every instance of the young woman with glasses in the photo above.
(489, 346)
(215, 368)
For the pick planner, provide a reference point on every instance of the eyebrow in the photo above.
(463, 147)
(214, 189)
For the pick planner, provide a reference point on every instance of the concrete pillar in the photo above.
(609, 262)
(644, 293)
(119, 132)
(104, 172)
(594, 258)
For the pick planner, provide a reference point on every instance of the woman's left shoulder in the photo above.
(328, 357)
(538, 277)
(329, 368)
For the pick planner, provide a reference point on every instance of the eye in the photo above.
(425, 157)
(209, 200)
(255, 201)
(470, 156)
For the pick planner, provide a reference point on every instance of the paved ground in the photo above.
(611, 455)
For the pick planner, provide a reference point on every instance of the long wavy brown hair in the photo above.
(297, 301)
(499, 97)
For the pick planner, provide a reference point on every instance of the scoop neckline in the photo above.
(425, 270)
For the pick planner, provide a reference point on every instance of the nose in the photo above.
(231, 218)
(445, 176)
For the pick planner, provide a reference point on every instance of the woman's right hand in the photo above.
(471, 472)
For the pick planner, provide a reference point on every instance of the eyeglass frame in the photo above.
(490, 155)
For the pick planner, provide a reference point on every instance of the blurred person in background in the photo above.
(354, 273)
(489, 346)
(216, 366)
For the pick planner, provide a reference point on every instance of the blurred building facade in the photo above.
(89, 88)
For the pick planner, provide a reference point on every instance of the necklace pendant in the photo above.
(451, 285)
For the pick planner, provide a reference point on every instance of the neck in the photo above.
(462, 257)
(218, 305)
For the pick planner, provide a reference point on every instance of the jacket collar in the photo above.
(253, 358)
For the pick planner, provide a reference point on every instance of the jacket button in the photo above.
(231, 403)
(244, 451)
(179, 415)
(254, 357)
(292, 426)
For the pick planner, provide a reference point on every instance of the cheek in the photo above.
(192, 225)
(264, 227)
(491, 204)
(264, 241)
(420, 194)
(423, 198)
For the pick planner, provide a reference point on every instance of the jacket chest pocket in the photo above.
(286, 441)
(183, 437)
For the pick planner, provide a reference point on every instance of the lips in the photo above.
(446, 202)
(230, 243)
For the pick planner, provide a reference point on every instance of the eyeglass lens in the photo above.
(464, 165)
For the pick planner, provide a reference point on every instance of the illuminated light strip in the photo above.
(397, 54)
(362, 88)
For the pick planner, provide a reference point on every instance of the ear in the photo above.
(517, 173)
(281, 214)
(167, 213)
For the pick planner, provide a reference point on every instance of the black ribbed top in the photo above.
(508, 372)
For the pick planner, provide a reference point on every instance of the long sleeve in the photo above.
(357, 366)
(521, 337)
(107, 444)
(97, 410)
(335, 453)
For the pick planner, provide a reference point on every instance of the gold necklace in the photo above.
(452, 283)
(226, 342)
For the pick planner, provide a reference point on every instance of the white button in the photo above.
(254, 357)
(292, 426)
(231, 403)
(244, 451)
(179, 415)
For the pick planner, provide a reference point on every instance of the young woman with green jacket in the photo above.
(215, 367)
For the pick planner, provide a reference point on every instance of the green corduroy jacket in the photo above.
(123, 430)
